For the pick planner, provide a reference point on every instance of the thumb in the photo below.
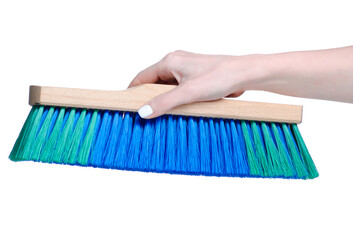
(166, 101)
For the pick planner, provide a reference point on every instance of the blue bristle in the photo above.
(171, 144)
(242, 145)
(193, 156)
(102, 138)
(157, 161)
(238, 148)
(147, 146)
(132, 160)
(271, 132)
(225, 149)
(250, 134)
(216, 167)
(125, 141)
(181, 154)
(221, 162)
(113, 141)
(205, 157)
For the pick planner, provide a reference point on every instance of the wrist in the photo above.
(254, 72)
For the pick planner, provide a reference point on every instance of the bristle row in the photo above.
(170, 144)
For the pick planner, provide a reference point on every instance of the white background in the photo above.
(103, 45)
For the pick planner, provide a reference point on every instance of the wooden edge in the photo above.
(134, 98)
(34, 95)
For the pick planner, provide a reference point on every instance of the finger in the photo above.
(149, 75)
(236, 94)
(166, 101)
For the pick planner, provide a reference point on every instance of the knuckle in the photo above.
(178, 52)
(171, 58)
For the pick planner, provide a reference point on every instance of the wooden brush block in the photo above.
(134, 98)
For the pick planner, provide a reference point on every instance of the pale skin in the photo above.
(320, 74)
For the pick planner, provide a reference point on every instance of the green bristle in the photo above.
(297, 162)
(288, 171)
(87, 142)
(42, 135)
(272, 152)
(254, 166)
(310, 166)
(61, 143)
(49, 146)
(25, 153)
(72, 146)
(260, 151)
(24, 132)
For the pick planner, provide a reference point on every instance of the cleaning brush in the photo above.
(217, 138)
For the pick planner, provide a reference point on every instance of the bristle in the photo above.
(241, 166)
(136, 144)
(260, 151)
(64, 135)
(14, 155)
(72, 145)
(181, 145)
(254, 166)
(125, 141)
(98, 150)
(225, 149)
(272, 152)
(26, 151)
(159, 145)
(168, 144)
(112, 142)
(205, 156)
(216, 164)
(144, 161)
(297, 162)
(42, 135)
(193, 155)
(308, 161)
(283, 157)
(85, 148)
(54, 133)
(171, 145)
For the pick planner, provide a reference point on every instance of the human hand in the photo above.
(199, 78)
(319, 74)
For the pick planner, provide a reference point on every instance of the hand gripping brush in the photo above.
(218, 138)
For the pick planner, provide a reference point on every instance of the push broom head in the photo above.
(218, 138)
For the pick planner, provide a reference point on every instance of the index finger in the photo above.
(149, 75)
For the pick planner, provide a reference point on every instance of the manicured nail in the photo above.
(145, 111)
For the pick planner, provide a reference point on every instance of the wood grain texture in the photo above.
(134, 98)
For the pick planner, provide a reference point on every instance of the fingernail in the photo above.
(145, 111)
